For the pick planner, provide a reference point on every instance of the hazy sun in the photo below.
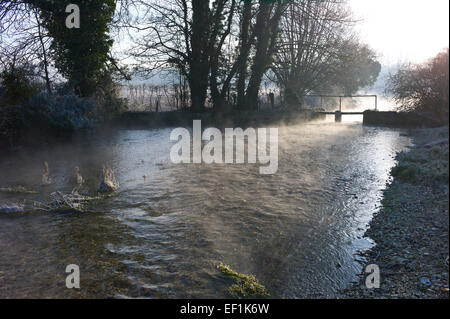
(404, 30)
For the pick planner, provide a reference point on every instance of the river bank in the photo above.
(411, 229)
(242, 119)
(38, 134)
(410, 120)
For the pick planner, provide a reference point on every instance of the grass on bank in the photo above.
(427, 162)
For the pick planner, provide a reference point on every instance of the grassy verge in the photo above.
(411, 229)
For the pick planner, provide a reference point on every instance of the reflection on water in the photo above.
(163, 235)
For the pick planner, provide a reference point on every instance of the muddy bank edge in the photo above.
(411, 228)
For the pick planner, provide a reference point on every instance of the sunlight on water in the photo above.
(170, 225)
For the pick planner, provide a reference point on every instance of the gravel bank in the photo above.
(411, 229)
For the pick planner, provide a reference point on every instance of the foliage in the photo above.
(425, 165)
(63, 113)
(15, 86)
(358, 68)
(318, 52)
(80, 54)
(423, 87)
(24, 104)
(107, 100)
(246, 286)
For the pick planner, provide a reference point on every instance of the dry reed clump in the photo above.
(109, 183)
(72, 201)
(11, 208)
(25, 206)
(59, 200)
(17, 190)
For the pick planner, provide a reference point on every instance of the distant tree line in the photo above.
(223, 49)
(226, 48)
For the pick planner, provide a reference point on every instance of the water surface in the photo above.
(162, 236)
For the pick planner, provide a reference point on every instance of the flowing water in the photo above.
(164, 235)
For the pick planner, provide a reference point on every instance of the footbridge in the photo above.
(339, 113)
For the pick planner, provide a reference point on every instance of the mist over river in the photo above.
(169, 226)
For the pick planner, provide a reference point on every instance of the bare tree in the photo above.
(182, 35)
(24, 41)
(267, 30)
(214, 44)
(255, 44)
(423, 87)
(318, 51)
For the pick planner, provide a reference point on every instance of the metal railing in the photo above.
(344, 96)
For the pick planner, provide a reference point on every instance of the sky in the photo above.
(403, 30)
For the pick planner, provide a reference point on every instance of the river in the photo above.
(163, 236)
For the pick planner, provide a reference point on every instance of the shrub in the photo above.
(423, 87)
(107, 99)
(63, 113)
(15, 86)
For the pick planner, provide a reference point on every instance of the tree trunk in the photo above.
(244, 51)
(259, 62)
(44, 54)
(219, 35)
(267, 33)
(199, 63)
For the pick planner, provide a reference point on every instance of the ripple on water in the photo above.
(170, 225)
